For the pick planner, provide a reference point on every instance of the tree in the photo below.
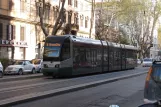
(143, 25)
(140, 17)
(59, 21)
(105, 21)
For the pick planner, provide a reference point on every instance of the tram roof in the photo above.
(93, 41)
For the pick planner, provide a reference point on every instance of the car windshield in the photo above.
(157, 73)
(18, 63)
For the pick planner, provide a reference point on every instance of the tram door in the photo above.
(93, 59)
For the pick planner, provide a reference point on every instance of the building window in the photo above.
(37, 8)
(4, 4)
(75, 3)
(86, 22)
(81, 20)
(1, 30)
(51, 14)
(10, 32)
(56, 11)
(69, 16)
(75, 18)
(65, 16)
(14, 31)
(82, 6)
(22, 5)
(22, 33)
(22, 53)
(69, 2)
(47, 12)
(11, 5)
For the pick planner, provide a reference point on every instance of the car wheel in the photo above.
(33, 71)
(20, 72)
(1, 74)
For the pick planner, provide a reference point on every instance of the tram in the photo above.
(71, 55)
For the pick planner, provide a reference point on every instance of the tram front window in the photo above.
(51, 52)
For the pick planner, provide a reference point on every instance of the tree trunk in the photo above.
(59, 20)
(92, 18)
(41, 14)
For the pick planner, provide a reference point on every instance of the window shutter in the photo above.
(7, 37)
(9, 32)
(13, 32)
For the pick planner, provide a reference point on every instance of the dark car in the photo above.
(152, 89)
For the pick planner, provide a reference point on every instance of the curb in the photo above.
(39, 95)
(20, 78)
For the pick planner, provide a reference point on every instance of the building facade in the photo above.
(20, 32)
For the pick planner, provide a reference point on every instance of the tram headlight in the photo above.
(45, 66)
(57, 66)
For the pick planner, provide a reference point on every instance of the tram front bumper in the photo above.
(50, 71)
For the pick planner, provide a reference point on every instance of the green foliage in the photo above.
(124, 40)
(159, 29)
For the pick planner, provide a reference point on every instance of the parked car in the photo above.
(37, 63)
(1, 70)
(152, 89)
(20, 67)
(147, 62)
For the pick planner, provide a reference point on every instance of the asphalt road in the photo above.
(15, 88)
(125, 93)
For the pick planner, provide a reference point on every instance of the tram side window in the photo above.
(75, 55)
(88, 55)
(66, 50)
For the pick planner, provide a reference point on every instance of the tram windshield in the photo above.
(52, 49)
(56, 49)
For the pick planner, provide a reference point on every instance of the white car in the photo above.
(37, 63)
(20, 67)
(147, 62)
(138, 61)
(1, 70)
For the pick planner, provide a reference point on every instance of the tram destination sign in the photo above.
(13, 43)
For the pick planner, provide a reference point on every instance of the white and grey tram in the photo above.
(71, 55)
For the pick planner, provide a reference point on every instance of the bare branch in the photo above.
(59, 19)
